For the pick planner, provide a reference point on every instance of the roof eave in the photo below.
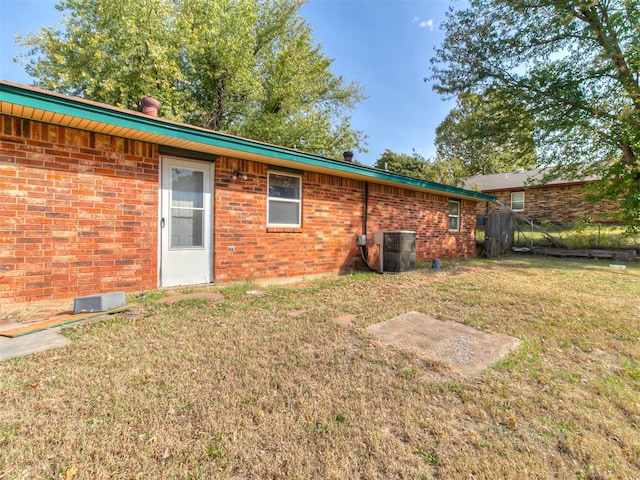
(209, 141)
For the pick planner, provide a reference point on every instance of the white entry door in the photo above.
(186, 232)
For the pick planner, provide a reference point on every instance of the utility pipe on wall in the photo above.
(366, 208)
(364, 253)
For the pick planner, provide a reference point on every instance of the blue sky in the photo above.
(384, 45)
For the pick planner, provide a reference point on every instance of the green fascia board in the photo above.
(29, 97)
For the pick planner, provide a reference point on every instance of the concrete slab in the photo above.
(32, 343)
(49, 336)
(467, 350)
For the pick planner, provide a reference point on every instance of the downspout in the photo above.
(366, 211)
(364, 252)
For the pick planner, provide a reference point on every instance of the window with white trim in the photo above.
(454, 216)
(517, 201)
(284, 199)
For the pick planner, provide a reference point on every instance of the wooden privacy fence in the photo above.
(498, 233)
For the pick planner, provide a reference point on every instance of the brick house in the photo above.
(97, 199)
(559, 201)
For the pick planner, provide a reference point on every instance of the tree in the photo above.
(299, 93)
(415, 165)
(112, 51)
(574, 64)
(411, 165)
(484, 134)
(245, 67)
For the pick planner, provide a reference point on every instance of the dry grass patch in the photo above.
(241, 388)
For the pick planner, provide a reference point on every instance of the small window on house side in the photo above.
(454, 216)
(517, 201)
(284, 200)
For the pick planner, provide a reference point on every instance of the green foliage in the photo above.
(574, 64)
(339, 418)
(6, 432)
(415, 165)
(411, 165)
(245, 67)
(113, 51)
(488, 133)
(430, 456)
(215, 450)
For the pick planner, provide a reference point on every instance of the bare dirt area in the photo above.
(291, 383)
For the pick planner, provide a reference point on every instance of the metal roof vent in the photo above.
(150, 106)
(348, 156)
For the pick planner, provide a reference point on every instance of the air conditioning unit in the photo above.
(397, 251)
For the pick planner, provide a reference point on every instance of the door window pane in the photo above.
(187, 188)
(186, 228)
(187, 208)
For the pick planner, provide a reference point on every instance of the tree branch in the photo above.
(609, 41)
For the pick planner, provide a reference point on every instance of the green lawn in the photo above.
(272, 386)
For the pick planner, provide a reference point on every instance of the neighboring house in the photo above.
(97, 199)
(559, 202)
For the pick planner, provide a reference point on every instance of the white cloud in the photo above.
(427, 23)
(423, 23)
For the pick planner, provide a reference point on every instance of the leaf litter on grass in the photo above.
(240, 389)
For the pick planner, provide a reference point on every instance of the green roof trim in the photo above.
(75, 107)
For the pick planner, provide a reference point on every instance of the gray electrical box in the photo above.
(99, 303)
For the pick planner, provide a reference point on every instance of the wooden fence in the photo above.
(498, 236)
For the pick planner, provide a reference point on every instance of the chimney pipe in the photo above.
(348, 156)
(150, 106)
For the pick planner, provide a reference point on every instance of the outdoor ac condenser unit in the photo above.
(397, 251)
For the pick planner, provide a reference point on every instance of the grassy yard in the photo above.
(273, 386)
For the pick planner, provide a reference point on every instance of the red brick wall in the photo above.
(326, 242)
(79, 212)
(332, 217)
(558, 205)
(427, 214)
(80, 216)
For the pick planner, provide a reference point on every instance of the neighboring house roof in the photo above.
(517, 180)
(41, 105)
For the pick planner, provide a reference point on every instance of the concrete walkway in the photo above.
(32, 343)
(22, 314)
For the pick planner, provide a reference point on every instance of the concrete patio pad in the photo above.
(467, 350)
(32, 343)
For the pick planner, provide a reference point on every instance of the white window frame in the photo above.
(517, 202)
(450, 216)
(297, 201)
